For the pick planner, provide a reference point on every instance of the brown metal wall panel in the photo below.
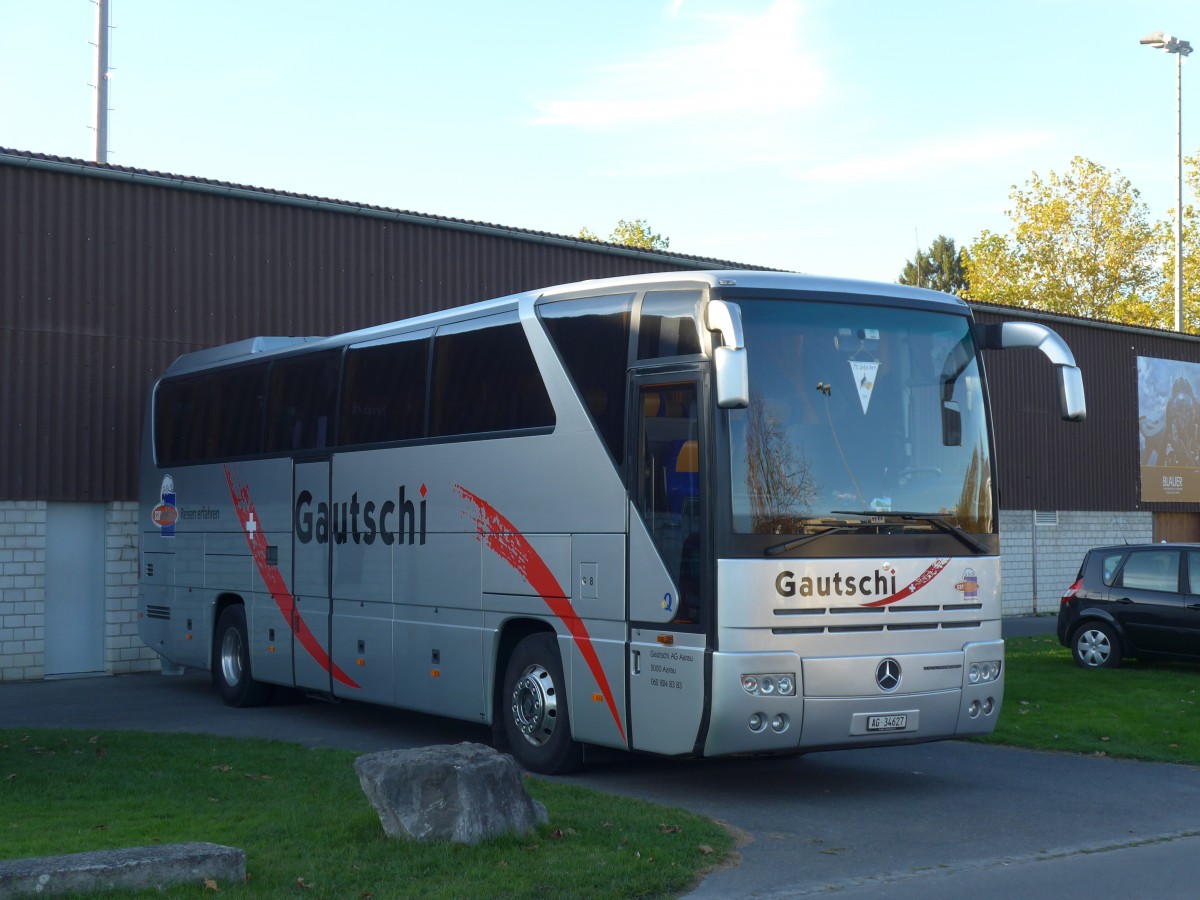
(104, 281)
(1048, 464)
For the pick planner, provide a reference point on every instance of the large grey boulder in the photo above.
(462, 793)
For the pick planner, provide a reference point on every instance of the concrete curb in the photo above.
(130, 869)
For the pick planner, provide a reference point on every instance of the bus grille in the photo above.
(881, 619)
(158, 612)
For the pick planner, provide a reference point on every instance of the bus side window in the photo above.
(485, 380)
(236, 405)
(667, 326)
(179, 418)
(592, 337)
(301, 402)
(383, 392)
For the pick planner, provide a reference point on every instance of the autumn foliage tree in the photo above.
(1082, 244)
(632, 233)
(1165, 236)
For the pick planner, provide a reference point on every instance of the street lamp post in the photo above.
(1181, 48)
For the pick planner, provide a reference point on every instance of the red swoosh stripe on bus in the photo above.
(915, 585)
(502, 538)
(273, 579)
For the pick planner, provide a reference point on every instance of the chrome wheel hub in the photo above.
(535, 705)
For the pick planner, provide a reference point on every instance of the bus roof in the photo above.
(726, 280)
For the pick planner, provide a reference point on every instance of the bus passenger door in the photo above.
(311, 580)
(669, 563)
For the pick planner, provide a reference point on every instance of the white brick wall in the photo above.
(22, 589)
(123, 649)
(23, 592)
(1056, 551)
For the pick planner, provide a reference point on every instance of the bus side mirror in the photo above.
(733, 377)
(1071, 400)
(1072, 403)
(729, 360)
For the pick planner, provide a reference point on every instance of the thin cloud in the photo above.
(737, 65)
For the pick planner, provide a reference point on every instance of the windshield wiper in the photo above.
(937, 520)
(780, 549)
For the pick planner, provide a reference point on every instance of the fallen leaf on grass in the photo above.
(100, 827)
(668, 829)
(706, 849)
(224, 768)
(301, 883)
(210, 885)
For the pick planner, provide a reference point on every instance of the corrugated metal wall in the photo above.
(108, 274)
(1048, 464)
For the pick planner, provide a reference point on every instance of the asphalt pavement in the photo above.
(949, 819)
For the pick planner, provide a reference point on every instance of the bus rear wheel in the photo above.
(231, 658)
(537, 721)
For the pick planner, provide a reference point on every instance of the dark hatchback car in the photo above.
(1139, 600)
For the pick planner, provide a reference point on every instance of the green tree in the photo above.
(942, 268)
(1165, 238)
(633, 233)
(1081, 244)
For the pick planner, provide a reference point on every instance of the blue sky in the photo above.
(824, 136)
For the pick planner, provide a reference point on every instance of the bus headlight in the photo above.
(983, 672)
(782, 684)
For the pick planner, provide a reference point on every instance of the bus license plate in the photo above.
(887, 723)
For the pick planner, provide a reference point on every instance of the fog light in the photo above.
(973, 709)
(983, 672)
(779, 723)
(989, 705)
(758, 722)
(781, 684)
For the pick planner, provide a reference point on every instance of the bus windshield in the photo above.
(858, 410)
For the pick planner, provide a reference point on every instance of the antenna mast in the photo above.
(102, 30)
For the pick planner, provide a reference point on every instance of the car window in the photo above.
(1111, 563)
(1152, 570)
(1194, 571)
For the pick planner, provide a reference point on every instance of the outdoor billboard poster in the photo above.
(1169, 429)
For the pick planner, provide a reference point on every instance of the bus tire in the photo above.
(537, 721)
(231, 661)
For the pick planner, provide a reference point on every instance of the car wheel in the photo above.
(231, 662)
(1096, 646)
(537, 722)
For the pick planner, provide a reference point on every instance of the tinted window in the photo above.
(234, 420)
(1110, 567)
(179, 420)
(383, 392)
(485, 379)
(667, 326)
(1194, 571)
(1152, 570)
(301, 405)
(592, 336)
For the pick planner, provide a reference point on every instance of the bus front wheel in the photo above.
(536, 719)
(231, 669)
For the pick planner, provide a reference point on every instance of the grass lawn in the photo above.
(309, 831)
(1140, 710)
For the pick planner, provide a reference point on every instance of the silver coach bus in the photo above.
(694, 514)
